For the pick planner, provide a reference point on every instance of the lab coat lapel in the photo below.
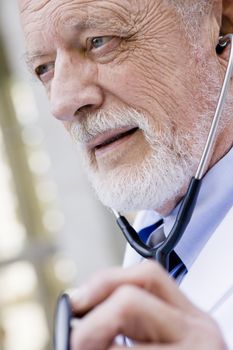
(210, 279)
(209, 283)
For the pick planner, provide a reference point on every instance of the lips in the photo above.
(110, 137)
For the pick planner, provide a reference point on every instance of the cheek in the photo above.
(146, 85)
(121, 81)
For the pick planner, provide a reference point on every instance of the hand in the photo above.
(144, 304)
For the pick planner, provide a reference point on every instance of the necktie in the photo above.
(153, 235)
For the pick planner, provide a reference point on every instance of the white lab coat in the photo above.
(209, 282)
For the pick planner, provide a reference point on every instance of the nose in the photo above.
(74, 87)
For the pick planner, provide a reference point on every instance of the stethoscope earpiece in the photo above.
(63, 316)
(162, 252)
(222, 44)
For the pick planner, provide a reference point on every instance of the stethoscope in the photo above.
(161, 253)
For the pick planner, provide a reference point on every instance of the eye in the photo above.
(44, 69)
(97, 42)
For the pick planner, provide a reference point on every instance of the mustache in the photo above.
(94, 124)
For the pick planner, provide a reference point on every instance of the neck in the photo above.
(222, 146)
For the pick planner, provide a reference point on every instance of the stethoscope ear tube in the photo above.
(223, 42)
(162, 252)
(183, 218)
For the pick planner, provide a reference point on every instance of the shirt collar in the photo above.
(214, 201)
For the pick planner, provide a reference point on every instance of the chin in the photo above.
(141, 182)
(142, 187)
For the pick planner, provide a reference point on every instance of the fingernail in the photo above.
(78, 297)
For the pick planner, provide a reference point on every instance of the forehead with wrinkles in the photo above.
(29, 4)
(30, 7)
(49, 15)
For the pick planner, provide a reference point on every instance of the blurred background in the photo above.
(53, 231)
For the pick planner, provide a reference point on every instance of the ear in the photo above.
(227, 17)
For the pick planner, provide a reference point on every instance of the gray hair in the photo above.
(191, 13)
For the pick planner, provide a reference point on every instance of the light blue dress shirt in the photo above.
(214, 201)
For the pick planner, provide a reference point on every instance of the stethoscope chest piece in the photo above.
(62, 326)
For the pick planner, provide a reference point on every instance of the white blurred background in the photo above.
(53, 231)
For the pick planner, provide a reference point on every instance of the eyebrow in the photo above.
(30, 56)
(97, 22)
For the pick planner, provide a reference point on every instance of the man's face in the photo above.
(121, 76)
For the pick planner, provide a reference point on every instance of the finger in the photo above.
(147, 275)
(132, 312)
(148, 347)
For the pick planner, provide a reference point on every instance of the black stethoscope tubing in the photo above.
(162, 252)
(63, 315)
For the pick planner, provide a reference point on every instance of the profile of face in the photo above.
(130, 87)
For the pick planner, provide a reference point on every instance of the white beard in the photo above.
(151, 182)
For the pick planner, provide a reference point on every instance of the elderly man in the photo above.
(136, 83)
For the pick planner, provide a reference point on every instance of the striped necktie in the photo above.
(153, 235)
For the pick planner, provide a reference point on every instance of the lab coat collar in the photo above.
(214, 201)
